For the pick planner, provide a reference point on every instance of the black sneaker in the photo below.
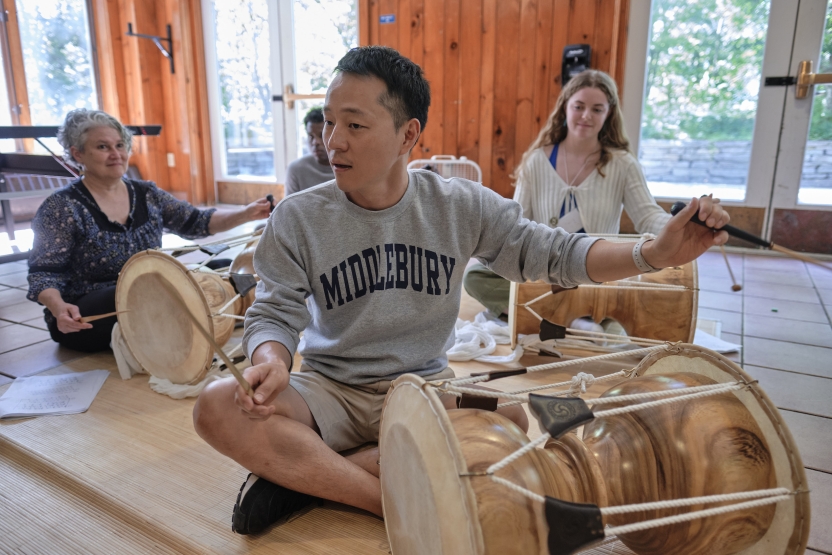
(263, 503)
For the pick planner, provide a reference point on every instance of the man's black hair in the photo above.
(315, 115)
(408, 92)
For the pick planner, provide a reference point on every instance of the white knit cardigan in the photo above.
(541, 192)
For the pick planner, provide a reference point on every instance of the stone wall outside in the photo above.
(250, 161)
(722, 162)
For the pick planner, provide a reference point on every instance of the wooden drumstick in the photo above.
(88, 319)
(178, 299)
(745, 236)
(736, 286)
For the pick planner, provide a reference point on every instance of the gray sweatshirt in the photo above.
(378, 292)
(306, 172)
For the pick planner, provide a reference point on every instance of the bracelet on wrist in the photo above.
(638, 257)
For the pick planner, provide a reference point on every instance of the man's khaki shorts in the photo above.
(347, 415)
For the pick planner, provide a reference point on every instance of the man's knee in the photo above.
(212, 406)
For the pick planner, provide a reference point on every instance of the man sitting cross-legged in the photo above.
(370, 266)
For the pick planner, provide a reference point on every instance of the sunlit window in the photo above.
(57, 58)
(245, 87)
(703, 77)
(816, 178)
(324, 31)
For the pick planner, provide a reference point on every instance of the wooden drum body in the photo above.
(727, 443)
(160, 336)
(430, 507)
(244, 264)
(437, 498)
(667, 314)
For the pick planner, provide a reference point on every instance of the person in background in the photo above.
(313, 169)
(578, 175)
(86, 232)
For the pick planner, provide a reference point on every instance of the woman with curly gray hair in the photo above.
(85, 232)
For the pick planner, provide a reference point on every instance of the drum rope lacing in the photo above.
(578, 338)
(577, 384)
(761, 497)
(518, 398)
(554, 365)
(683, 394)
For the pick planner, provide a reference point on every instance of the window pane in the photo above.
(243, 58)
(703, 77)
(57, 58)
(324, 31)
(816, 180)
(6, 145)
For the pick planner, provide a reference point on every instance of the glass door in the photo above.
(701, 93)
(718, 110)
(258, 53)
(804, 174)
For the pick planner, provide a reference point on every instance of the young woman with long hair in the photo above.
(578, 174)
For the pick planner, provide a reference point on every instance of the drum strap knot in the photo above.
(580, 382)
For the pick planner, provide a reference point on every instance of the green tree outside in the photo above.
(821, 129)
(704, 67)
(57, 60)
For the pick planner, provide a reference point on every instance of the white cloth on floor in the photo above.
(181, 391)
(128, 367)
(478, 339)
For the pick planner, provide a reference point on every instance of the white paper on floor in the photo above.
(705, 339)
(51, 395)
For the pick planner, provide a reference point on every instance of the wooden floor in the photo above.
(131, 476)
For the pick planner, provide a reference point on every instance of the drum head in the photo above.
(789, 531)
(428, 507)
(160, 336)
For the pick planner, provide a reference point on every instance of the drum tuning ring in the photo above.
(441, 385)
(673, 346)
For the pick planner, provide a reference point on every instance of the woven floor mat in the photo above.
(131, 476)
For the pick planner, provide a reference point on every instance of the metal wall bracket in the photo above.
(166, 52)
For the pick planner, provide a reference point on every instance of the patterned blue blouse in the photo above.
(77, 249)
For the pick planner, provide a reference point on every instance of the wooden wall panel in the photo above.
(431, 141)
(504, 124)
(488, 69)
(494, 67)
(470, 55)
(19, 96)
(201, 167)
(138, 88)
(453, 73)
